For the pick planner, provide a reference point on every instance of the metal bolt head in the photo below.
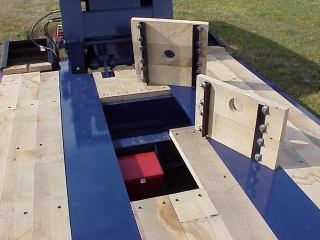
(201, 101)
(140, 39)
(199, 28)
(142, 68)
(263, 128)
(201, 112)
(199, 51)
(199, 64)
(198, 71)
(200, 128)
(143, 79)
(141, 60)
(138, 25)
(203, 84)
(140, 48)
(258, 157)
(265, 110)
(199, 43)
(78, 68)
(260, 142)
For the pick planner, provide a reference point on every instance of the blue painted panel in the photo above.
(186, 98)
(98, 203)
(162, 9)
(115, 22)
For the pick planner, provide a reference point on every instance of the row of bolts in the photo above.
(141, 60)
(262, 127)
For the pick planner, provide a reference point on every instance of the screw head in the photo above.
(260, 142)
(200, 128)
(140, 39)
(140, 48)
(143, 79)
(203, 84)
(265, 109)
(258, 157)
(142, 68)
(138, 25)
(201, 112)
(199, 64)
(78, 68)
(199, 51)
(199, 43)
(263, 128)
(199, 28)
(198, 71)
(201, 101)
(141, 60)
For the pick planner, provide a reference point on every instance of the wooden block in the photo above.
(40, 67)
(15, 69)
(16, 205)
(191, 205)
(175, 36)
(156, 219)
(233, 117)
(241, 218)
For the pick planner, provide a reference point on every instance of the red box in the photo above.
(143, 175)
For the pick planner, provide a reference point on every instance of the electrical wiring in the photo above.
(45, 30)
(32, 29)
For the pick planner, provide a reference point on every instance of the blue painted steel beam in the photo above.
(98, 202)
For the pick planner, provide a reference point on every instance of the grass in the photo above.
(280, 39)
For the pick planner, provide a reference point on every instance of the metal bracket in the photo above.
(206, 108)
(196, 50)
(144, 50)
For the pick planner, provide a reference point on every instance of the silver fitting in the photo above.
(142, 68)
(138, 25)
(265, 110)
(198, 71)
(199, 51)
(141, 60)
(199, 43)
(140, 47)
(199, 64)
(143, 79)
(201, 101)
(203, 84)
(200, 128)
(140, 39)
(199, 28)
(263, 128)
(258, 157)
(201, 112)
(260, 142)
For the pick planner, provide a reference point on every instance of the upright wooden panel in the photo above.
(233, 117)
(157, 219)
(50, 195)
(173, 35)
(241, 218)
(16, 205)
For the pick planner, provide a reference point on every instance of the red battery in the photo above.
(143, 175)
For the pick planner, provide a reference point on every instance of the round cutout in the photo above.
(235, 105)
(169, 54)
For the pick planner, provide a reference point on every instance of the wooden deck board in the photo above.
(126, 86)
(241, 218)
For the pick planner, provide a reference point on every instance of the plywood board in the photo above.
(51, 210)
(16, 205)
(40, 67)
(15, 69)
(233, 116)
(125, 86)
(241, 218)
(173, 35)
(157, 219)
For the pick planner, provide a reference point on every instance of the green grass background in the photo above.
(278, 38)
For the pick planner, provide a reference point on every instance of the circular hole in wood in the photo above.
(169, 54)
(235, 105)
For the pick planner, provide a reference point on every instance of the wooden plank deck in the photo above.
(33, 195)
